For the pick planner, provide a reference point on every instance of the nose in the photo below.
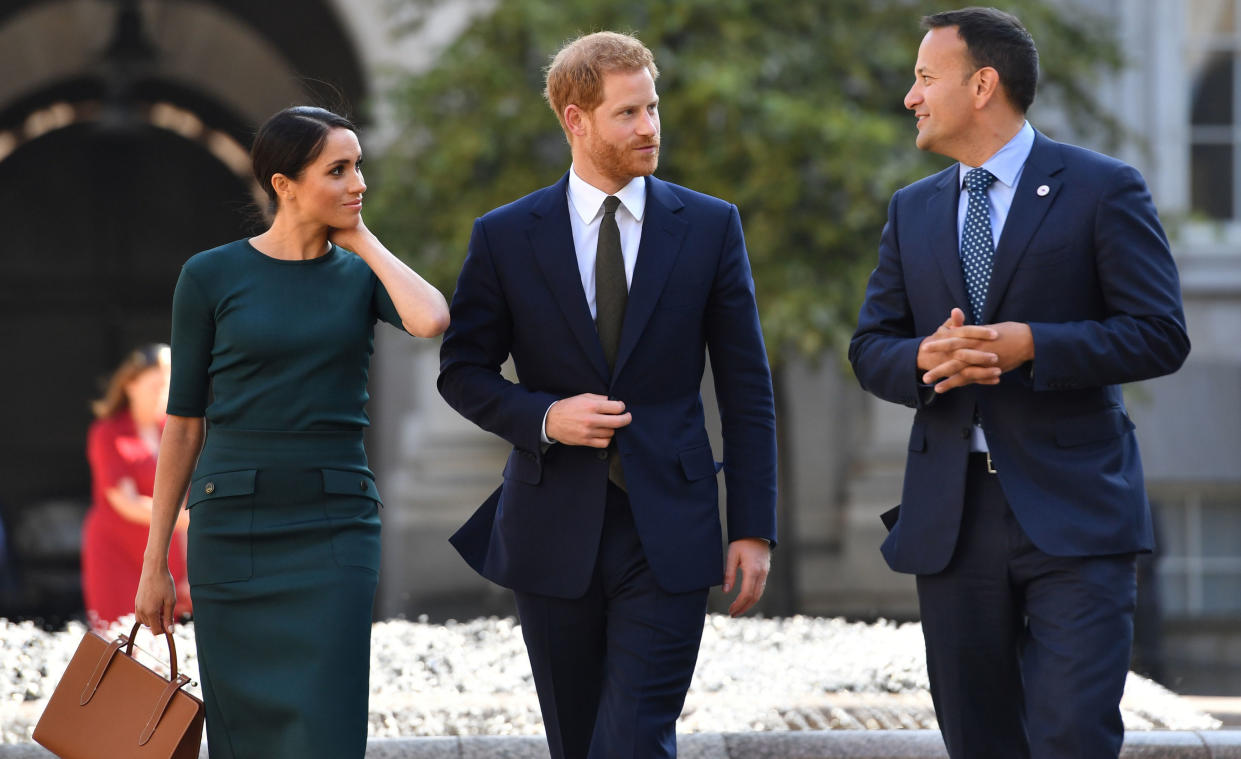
(359, 184)
(648, 124)
(913, 97)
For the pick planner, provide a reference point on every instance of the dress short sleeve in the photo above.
(106, 463)
(193, 336)
(383, 305)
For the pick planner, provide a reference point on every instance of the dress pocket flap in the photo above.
(1094, 428)
(697, 462)
(221, 485)
(345, 482)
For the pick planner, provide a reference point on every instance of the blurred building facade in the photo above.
(123, 130)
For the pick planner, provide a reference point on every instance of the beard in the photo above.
(622, 163)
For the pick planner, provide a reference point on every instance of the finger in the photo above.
(975, 357)
(981, 373)
(969, 375)
(950, 383)
(950, 344)
(606, 406)
(942, 372)
(760, 585)
(971, 332)
(747, 596)
(956, 318)
(168, 614)
(947, 346)
(611, 421)
(730, 571)
(963, 360)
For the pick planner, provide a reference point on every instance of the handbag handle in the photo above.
(92, 683)
(172, 649)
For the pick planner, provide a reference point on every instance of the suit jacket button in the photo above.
(362, 484)
(210, 488)
(602, 454)
(965, 433)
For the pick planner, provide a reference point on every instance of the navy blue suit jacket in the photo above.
(1086, 264)
(520, 295)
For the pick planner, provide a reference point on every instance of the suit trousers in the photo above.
(612, 667)
(1027, 653)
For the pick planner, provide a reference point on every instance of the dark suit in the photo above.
(556, 529)
(1083, 260)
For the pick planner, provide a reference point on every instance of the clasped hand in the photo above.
(958, 354)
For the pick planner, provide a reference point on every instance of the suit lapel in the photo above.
(1024, 217)
(662, 234)
(551, 238)
(941, 211)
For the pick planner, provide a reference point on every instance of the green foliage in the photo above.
(792, 109)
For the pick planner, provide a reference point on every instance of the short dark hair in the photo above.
(996, 39)
(289, 141)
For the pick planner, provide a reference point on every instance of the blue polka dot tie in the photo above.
(977, 247)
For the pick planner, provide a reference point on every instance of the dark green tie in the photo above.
(611, 295)
(611, 291)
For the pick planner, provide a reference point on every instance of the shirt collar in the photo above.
(1006, 164)
(587, 199)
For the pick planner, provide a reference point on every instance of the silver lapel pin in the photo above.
(1042, 190)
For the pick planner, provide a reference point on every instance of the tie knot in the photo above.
(610, 203)
(978, 180)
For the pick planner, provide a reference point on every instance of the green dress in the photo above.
(284, 514)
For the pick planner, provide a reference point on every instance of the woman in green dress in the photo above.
(271, 344)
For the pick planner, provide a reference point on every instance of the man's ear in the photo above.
(576, 120)
(986, 86)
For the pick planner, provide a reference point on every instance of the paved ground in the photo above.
(845, 744)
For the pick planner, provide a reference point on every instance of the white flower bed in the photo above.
(473, 678)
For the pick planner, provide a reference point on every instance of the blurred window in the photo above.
(1213, 54)
(1200, 562)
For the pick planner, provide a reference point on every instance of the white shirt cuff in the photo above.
(543, 432)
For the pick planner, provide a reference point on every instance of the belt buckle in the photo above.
(990, 466)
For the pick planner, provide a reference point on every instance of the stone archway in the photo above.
(124, 130)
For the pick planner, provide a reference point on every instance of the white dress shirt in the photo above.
(1006, 165)
(585, 213)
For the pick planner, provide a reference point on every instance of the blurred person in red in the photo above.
(122, 447)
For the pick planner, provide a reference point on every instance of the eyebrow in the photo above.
(625, 106)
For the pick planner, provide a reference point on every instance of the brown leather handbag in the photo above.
(107, 705)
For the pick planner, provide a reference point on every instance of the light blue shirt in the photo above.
(1006, 165)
